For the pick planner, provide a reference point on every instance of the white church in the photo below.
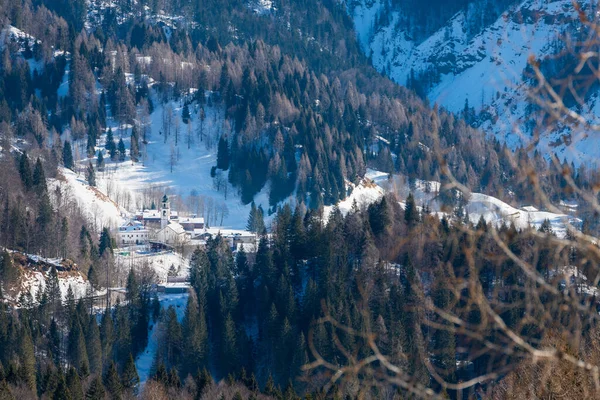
(171, 232)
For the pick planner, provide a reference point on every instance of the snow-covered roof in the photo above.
(132, 226)
(176, 227)
(191, 220)
(151, 214)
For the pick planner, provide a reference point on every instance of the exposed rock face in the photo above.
(480, 58)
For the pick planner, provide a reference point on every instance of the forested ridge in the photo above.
(303, 115)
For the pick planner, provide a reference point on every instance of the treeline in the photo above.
(252, 318)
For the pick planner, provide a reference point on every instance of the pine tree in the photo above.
(203, 380)
(90, 174)
(110, 145)
(105, 242)
(195, 337)
(185, 114)
(122, 151)
(251, 225)
(39, 178)
(77, 350)
(96, 390)
(229, 347)
(130, 377)
(74, 385)
(26, 353)
(223, 154)
(173, 339)
(62, 392)
(134, 151)
(25, 171)
(411, 214)
(68, 156)
(100, 160)
(112, 381)
(52, 292)
(93, 346)
(107, 336)
(8, 271)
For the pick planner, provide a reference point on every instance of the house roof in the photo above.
(176, 227)
(191, 220)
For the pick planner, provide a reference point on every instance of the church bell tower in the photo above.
(165, 215)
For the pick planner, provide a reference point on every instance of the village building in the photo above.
(132, 233)
(191, 224)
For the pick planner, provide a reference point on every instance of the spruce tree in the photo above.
(411, 214)
(105, 242)
(112, 381)
(68, 156)
(130, 378)
(90, 174)
(93, 345)
(195, 337)
(52, 291)
(100, 160)
(39, 178)
(27, 372)
(223, 154)
(8, 271)
(122, 151)
(96, 390)
(173, 339)
(25, 171)
(74, 384)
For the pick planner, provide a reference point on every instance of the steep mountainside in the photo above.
(475, 62)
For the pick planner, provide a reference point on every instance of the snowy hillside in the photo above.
(493, 210)
(484, 69)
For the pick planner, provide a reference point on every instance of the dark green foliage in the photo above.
(121, 149)
(96, 390)
(112, 381)
(105, 244)
(68, 156)
(223, 154)
(25, 171)
(130, 377)
(411, 214)
(8, 271)
(39, 178)
(90, 174)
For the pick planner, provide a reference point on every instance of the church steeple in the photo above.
(165, 215)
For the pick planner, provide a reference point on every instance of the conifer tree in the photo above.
(411, 214)
(68, 156)
(39, 178)
(105, 242)
(96, 390)
(122, 151)
(195, 337)
(112, 381)
(203, 380)
(52, 292)
(74, 384)
(8, 271)
(26, 353)
(223, 154)
(94, 346)
(90, 174)
(130, 377)
(107, 336)
(25, 171)
(100, 160)
(62, 391)
(173, 339)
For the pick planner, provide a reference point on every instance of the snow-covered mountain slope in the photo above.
(453, 66)
(494, 211)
